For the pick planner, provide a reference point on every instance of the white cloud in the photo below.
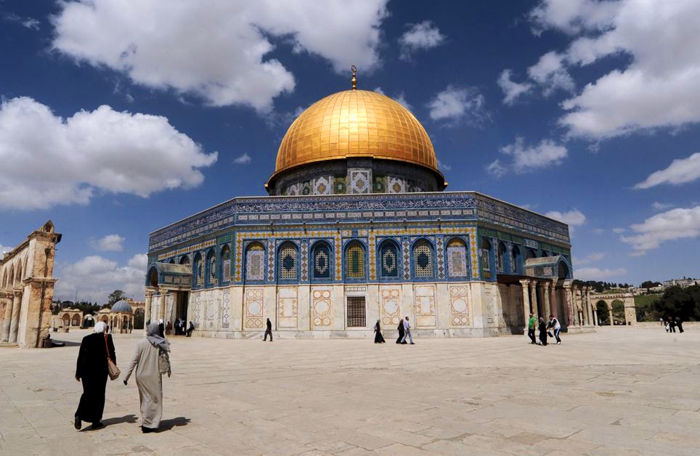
(550, 73)
(680, 223)
(619, 230)
(598, 273)
(216, 50)
(680, 171)
(422, 36)
(458, 103)
(26, 22)
(109, 243)
(95, 277)
(598, 231)
(573, 218)
(444, 166)
(525, 159)
(4, 248)
(591, 258)
(512, 90)
(661, 206)
(242, 159)
(657, 88)
(103, 150)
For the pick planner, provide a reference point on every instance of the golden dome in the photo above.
(355, 123)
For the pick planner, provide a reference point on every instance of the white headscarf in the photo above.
(100, 327)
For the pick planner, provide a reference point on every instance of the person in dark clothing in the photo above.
(679, 323)
(543, 331)
(161, 328)
(378, 338)
(190, 329)
(268, 330)
(672, 324)
(401, 333)
(92, 371)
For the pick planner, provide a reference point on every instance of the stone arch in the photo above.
(198, 271)
(603, 312)
(617, 309)
(501, 253)
(18, 272)
(321, 261)
(12, 275)
(4, 279)
(530, 253)
(75, 321)
(88, 321)
(65, 318)
(389, 260)
(563, 269)
(185, 259)
(172, 261)
(485, 249)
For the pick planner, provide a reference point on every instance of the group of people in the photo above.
(404, 329)
(671, 323)
(181, 328)
(151, 361)
(551, 329)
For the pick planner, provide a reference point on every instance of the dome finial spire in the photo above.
(354, 77)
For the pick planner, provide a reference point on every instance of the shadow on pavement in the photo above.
(166, 425)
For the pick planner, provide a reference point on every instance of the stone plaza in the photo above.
(621, 390)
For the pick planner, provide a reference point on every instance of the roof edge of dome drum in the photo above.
(356, 125)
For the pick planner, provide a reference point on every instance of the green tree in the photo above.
(115, 296)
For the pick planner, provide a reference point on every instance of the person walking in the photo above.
(161, 328)
(92, 370)
(378, 338)
(407, 331)
(531, 323)
(151, 361)
(401, 330)
(679, 323)
(556, 327)
(672, 324)
(268, 330)
(190, 329)
(543, 332)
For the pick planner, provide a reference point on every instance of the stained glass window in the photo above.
(211, 266)
(288, 261)
(198, 271)
(389, 259)
(457, 258)
(226, 263)
(486, 255)
(423, 259)
(355, 261)
(255, 262)
(321, 261)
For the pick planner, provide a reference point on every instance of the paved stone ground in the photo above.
(619, 391)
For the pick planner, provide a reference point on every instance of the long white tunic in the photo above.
(150, 383)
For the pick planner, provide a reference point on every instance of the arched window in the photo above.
(19, 271)
(211, 268)
(423, 259)
(545, 254)
(501, 257)
(12, 275)
(321, 261)
(355, 260)
(485, 255)
(288, 263)
(457, 259)
(515, 260)
(226, 264)
(389, 260)
(198, 271)
(254, 262)
(530, 253)
(185, 260)
(172, 261)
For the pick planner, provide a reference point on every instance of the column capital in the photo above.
(524, 282)
(546, 284)
(17, 292)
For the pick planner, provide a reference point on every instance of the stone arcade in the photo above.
(357, 228)
(26, 288)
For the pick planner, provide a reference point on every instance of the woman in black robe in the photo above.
(401, 330)
(543, 331)
(378, 338)
(92, 370)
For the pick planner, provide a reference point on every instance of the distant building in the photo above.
(26, 288)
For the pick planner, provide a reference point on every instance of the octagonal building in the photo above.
(357, 228)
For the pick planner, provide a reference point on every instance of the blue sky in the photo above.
(119, 117)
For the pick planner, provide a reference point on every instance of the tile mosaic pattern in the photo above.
(457, 259)
(459, 305)
(255, 263)
(288, 261)
(355, 261)
(423, 260)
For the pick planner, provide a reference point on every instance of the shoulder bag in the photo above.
(112, 368)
